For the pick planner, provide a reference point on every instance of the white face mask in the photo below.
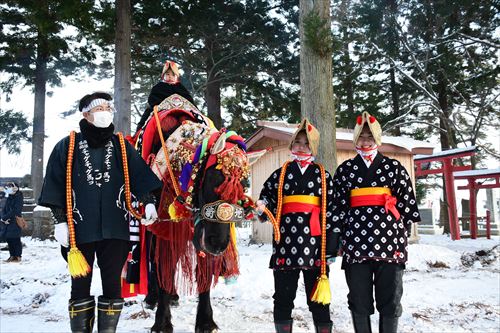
(8, 191)
(102, 119)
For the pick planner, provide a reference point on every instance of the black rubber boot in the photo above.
(108, 314)
(283, 326)
(388, 324)
(82, 315)
(361, 323)
(323, 327)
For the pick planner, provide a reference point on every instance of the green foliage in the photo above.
(420, 191)
(434, 61)
(251, 54)
(318, 35)
(14, 128)
(38, 35)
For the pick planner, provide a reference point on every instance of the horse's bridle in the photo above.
(222, 212)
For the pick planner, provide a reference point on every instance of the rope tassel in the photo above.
(77, 264)
(321, 292)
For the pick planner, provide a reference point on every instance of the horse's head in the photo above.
(219, 193)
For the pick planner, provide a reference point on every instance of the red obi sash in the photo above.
(375, 196)
(304, 204)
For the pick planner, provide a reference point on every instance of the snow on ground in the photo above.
(448, 288)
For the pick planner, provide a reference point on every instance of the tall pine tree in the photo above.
(37, 50)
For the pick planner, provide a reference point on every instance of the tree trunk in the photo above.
(39, 117)
(212, 96)
(122, 66)
(395, 100)
(348, 84)
(316, 88)
(394, 52)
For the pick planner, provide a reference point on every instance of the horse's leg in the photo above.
(163, 316)
(204, 315)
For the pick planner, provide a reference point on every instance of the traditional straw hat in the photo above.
(169, 64)
(312, 136)
(373, 125)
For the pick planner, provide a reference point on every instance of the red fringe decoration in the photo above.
(225, 265)
(231, 189)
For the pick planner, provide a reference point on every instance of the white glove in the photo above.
(260, 206)
(61, 234)
(150, 212)
(150, 215)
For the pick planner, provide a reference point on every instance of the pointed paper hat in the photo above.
(373, 125)
(312, 135)
(172, 66)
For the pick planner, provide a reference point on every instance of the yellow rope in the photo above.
(128, 196)
(164, 147)
(77, 264)
(322, 293)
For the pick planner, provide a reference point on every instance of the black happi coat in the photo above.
(369, 232)
(297, 248)
(99, 208)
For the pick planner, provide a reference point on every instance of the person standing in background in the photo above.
(12, 232)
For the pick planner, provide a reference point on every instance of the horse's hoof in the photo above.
(156, 329)
(201, 330)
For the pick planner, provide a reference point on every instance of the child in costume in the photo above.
(300, 197)
(375, 205)
(90, 179)
(168, 85)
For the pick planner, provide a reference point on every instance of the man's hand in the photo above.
(61, 234)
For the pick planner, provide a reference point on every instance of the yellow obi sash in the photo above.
(304, 204)
(375, 196)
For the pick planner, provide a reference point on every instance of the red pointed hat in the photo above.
(373, 125)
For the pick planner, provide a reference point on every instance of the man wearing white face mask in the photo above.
(107, 177)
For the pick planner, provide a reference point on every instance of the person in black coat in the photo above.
(103, 226)
(11, 231)
(168, 85)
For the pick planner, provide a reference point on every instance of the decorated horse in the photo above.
(204, 172)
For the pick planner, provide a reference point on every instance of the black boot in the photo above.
(388, 324)
(82, 315)
(323, 327)
(361, 323)
(108, 313)
(283, 326)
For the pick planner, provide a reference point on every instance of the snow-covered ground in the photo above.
(448, 288)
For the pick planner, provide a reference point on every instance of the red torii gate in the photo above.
(446, 158)
(472, 176)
